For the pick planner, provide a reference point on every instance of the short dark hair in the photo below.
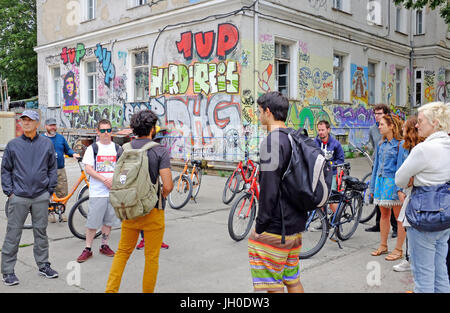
(103, 121)
(142, 122)
(327, 124)
(277, 103)
(383, 107)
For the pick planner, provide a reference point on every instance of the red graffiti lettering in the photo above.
(204, 44)
(227, 39)
(185, 45)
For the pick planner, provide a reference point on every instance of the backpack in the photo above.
(306, 183)
(119, 151)
(132, 193)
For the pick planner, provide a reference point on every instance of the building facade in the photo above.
(200, 65)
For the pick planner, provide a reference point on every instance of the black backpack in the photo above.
(306, 184)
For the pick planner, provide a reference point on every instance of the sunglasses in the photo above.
(105, 130)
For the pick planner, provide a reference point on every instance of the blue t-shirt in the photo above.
(61, 148)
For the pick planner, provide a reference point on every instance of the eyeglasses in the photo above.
(105, 130)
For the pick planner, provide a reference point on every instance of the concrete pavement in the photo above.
(202, 258)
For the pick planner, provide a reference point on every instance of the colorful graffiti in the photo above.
(359, 79)
(104, 58)
(73, 55)
(70, 92)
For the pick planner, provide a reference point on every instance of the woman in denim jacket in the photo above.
(382, 183)
(428, 164)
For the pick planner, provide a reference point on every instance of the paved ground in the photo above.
(202, 258)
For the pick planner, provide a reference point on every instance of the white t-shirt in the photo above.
(106, 161)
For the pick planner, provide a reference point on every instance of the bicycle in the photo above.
(233, 185)
(369, 209)
(318, 223)
(186, 185)
(243, 210)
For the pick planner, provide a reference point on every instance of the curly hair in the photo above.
(392, 119)
(412, 137)
(143, 122)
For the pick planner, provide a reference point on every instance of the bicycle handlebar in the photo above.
(345, 165)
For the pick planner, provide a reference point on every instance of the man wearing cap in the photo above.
(61, 148)
(29, 174)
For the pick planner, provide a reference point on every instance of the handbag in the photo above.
(429, 208)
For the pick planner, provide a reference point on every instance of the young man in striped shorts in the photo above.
(274, 264)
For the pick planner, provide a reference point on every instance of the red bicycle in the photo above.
(233, 184)
(243, 211)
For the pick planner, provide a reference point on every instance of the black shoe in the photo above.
(394, 234)
(10, 279)
(373, 229)
(47, 271)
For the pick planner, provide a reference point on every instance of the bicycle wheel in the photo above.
(77, 219)
(196, 182)
(368, 209)
(181, 193)
(84, 192)
(315, 234)
(231, 187)
(241, 216)
(26, 225)
(348, 217)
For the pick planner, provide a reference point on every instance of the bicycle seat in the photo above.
(196, 162)
(354, 183)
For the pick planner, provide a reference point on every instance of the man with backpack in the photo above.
(142, 207)
(274, 264)
(100, 160)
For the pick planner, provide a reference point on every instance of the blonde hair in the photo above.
(439, 112)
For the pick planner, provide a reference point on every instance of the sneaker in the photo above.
(403, 266)
(106, 250)
(86, 254)
(164, 246)
(10, 279)
(141, 245)
(47, 271)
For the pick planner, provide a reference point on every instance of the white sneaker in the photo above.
(403, 266)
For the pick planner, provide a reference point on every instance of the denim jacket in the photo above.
(386, 160)
(402, 155)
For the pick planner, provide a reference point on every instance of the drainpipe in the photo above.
(255, 62)
(112, 93)
(412, 85)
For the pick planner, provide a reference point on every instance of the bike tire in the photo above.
(77, 219)
(84, 191)
(230, 190)
(238, 213)
(369, 209)
(184, 191)
(351, 211)
(196, 183)
(25, 226)
(313, 241)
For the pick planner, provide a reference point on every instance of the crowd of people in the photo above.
(407, 155)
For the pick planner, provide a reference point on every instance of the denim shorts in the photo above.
(101, 213)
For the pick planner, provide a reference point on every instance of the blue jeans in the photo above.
(428, 254)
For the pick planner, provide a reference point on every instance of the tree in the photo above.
(444, 6)
(18, 37)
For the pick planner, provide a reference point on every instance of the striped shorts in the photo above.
(272, 264)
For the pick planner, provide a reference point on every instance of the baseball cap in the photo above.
(31, 114)
(50, 121)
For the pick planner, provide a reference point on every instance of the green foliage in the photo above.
(18, 37)
(443, 5)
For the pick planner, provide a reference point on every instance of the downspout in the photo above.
(412, 85)
(255, 65)
(112, 93)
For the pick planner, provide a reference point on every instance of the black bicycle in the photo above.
(344, 222)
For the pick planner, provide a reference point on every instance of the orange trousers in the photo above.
(153, 226)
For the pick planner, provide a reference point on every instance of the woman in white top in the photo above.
(429, 164)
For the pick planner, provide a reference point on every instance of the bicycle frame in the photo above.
(253, 190)
(242, 172)
(186, 172)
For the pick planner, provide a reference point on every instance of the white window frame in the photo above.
(400, 19)
(342, 5)
(87, 75)
(416, 32)
(87, 10)
(399, 86)
(135, 67)
(136, 3)
(421, 82)
(52, 89)
(285, 60)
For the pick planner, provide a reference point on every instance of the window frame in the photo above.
(87, 10)
(416, 32)
(53, 102)
(421, 82)
(372, 77)
(280, 59)
(341, 69)
(134, 68)
(88, 75)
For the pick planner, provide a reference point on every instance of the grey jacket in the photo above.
(29, 167)
(374, 137)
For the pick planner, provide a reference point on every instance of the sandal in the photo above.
(394, 256)
(383, 249)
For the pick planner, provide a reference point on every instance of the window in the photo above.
(136, 3)
(140, 75)
(338, 84)
(400, 20)
(90, 9)
(55, 87)
(282, 63)
(337, 4)
(91, 79)
(420, 28)
(372, 76)
(398, 87)
(342, 5)
(418, 75)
